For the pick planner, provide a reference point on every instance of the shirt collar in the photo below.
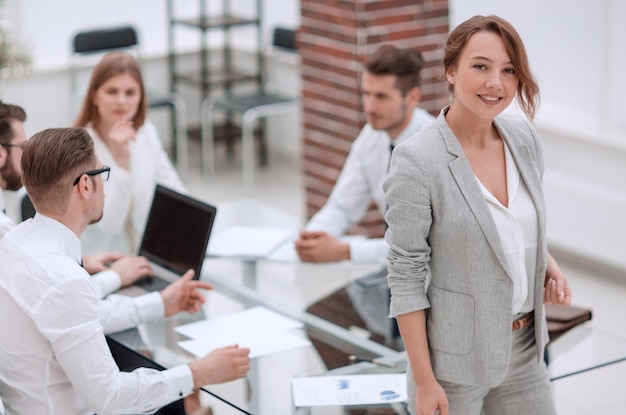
(411, 128)
(68, 240)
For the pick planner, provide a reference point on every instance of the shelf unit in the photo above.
(207, 78)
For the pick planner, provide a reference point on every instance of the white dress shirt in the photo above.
(360, 182)
(129, 194)
(12, 203)
(116, 312)
(519, 233)
(54, 355)
(6, 223)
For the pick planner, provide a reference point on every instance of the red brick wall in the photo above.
(334, 38)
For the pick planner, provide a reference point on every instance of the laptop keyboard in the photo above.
(152, 283)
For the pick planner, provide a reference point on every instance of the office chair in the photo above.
(128, 360)
(101, 41)
(27, 209)
(250, 108)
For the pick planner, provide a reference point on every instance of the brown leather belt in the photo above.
(523, 321)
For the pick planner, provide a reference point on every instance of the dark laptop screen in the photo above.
(177, 231)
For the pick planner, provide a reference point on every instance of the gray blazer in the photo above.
(441, 229)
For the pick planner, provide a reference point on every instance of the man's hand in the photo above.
(131, 268)
(221, 365)
(556, 286)
(319, 246)
(100, 262)
(183, 295)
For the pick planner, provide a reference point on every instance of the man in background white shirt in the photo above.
(55, 356)
(390, 87)
(12, 138)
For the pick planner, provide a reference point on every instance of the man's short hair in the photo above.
(405, 64)
(9, 113)
(51, 161)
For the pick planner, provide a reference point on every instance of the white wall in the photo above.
(48, 26)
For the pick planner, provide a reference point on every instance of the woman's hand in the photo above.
(556, 286)
(120, 134)
(431, 399)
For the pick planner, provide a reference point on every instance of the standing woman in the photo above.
(466, 212)
(114, 112)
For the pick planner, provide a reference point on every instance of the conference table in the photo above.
(285, 288)
(278, 282)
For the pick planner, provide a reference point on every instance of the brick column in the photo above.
(334, 38)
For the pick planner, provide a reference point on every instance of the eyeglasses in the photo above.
(105, 171)
(9, 145)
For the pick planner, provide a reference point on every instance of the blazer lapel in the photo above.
(525, 159)
(466, 181)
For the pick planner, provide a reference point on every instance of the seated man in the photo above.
(112, 270)
(55, 352)
(390, 87)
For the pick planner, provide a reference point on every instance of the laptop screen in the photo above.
(177, 231)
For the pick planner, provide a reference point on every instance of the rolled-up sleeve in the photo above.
(409, 217)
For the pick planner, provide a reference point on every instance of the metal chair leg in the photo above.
(247, 149)
(207, 138)
(180, 129)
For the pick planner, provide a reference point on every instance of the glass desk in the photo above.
(285, 288)
(583, 349)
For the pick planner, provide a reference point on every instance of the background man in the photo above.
(12, 138)
(390, 88)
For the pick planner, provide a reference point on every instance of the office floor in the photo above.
(600, 392)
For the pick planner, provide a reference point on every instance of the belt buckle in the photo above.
(522, 321)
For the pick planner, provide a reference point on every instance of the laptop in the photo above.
(175, 238)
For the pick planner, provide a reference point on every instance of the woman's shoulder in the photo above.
(515, 124)
(148, 133)
(148, 127)
(428, 138)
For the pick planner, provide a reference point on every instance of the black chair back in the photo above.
(26, 207)
(95, 41)
(128, 360)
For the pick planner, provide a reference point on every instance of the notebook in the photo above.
(175, 238)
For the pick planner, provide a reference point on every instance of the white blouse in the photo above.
(518, 231)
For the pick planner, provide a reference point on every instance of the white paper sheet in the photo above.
(254, 320)
(260, 329)
(259, 344)
(285, 252)
(248, 241)
(370, 389)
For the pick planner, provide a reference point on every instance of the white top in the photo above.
(519, 233)
(54, 355)
(360, 182)
(128, 194)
